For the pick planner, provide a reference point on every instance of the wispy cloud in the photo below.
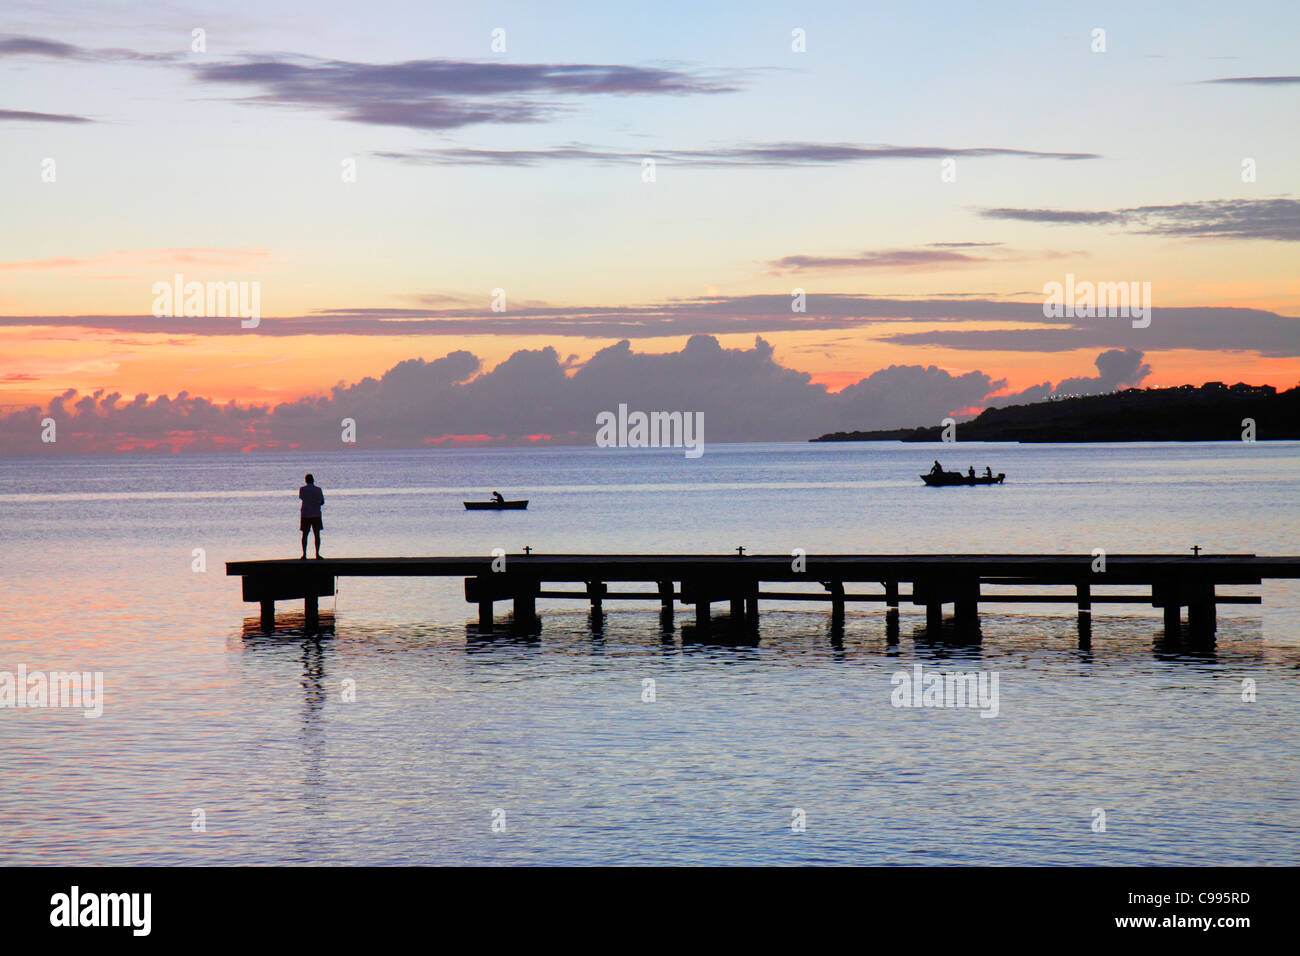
(1277, 219)
(756, 154)
(27, 116)
(883, 259)
(1274, 219)
(1209, 329)
(1067, 216)
(1257, 80)
(444, 94)
(434, 94)
(14, 45)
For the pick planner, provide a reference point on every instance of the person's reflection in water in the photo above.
(312, 739)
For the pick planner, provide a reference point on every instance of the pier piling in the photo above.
(702, 612)
(751, 605)
(891, 611)
(966, 604)
(666, 597)
(836, 591)
(934, 615)
(596, 591)
(1083, 602)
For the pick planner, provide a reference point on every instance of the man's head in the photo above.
(310, 480)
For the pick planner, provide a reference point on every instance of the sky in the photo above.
(387, 173)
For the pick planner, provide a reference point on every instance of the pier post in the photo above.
(666, 604)
(1083, 599)
(933, 614)
(596, 591)
(697, 591)
(268, 615)
(966, 605)
(702, 612)
(485, 590)
(524, 596)
(751, 604)
(1172, 623)
(891, 612)
(737, 601)
(929, 592)
(311, 612)
(1167, 595)
(525, 609)
(1202, 617)
(837, 601)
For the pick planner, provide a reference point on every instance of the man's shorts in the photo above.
(309, 524)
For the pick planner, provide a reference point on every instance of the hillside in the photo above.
(1213, 412)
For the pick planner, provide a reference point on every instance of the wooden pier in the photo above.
(1169, 582)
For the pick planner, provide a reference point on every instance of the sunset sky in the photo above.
(1169, 158)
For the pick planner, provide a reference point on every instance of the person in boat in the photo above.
(988, 472)
(496, 496)
(970, 472)
(937, 469)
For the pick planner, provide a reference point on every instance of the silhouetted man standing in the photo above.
(312, 499)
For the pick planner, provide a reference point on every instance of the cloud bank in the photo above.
(745, 395)
(1116, 369)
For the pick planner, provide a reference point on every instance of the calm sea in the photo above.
(221, 745)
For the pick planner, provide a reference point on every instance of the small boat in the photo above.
(518, 505)
(942, 479)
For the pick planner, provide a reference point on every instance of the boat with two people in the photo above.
(938, 478)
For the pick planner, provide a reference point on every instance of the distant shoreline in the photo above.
(1212, 412)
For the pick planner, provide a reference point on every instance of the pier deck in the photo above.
(1171, 582)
